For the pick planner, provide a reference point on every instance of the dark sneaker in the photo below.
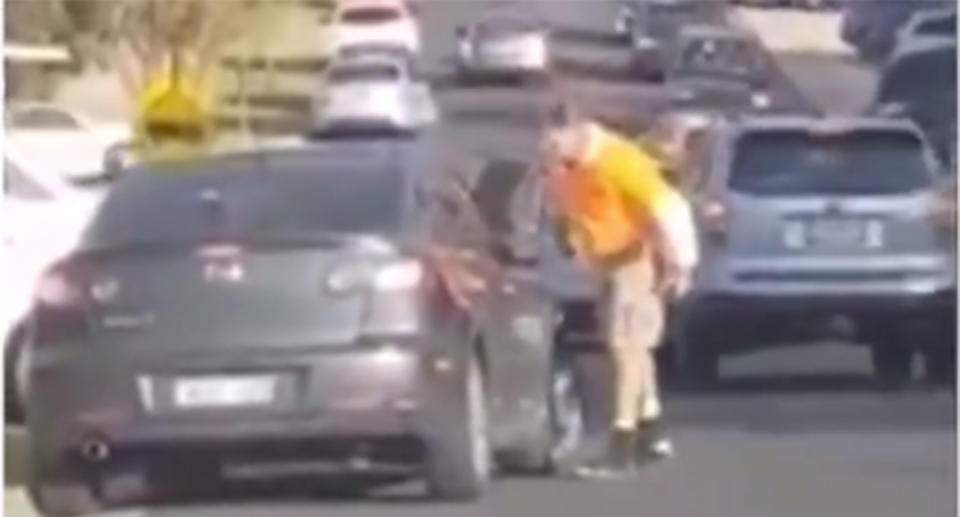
(616, 463)
(653, 443)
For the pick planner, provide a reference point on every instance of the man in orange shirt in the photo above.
(627, 224)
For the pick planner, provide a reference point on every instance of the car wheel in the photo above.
(892, 363)
(940, 365)
(15, 376)
(459, 463)
(63, 492)
(696, 355)
(566, 410)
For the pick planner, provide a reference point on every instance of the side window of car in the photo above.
(18, 185)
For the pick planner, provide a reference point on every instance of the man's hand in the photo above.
(675, 282)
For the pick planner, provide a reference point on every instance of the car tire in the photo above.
(60, 491)
(567, 416)
(939, 365)
(892, 363)
(14, 408)
(459, 462)
(696, 355)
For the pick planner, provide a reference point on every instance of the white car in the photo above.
(58, 138)
(44, 213)
(376, 21)
(373, 93)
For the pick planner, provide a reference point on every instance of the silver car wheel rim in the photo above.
(567, 413)
(477, 415)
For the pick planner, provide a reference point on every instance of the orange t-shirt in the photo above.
(609, 203)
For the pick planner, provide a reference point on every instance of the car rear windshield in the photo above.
(862, 162)
(346, 74)
(248, 204)
(370, 15)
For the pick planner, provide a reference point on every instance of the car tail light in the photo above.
(61, 287)
(388, 276)
(715, 216)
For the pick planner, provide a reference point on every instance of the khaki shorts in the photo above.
(634, 312)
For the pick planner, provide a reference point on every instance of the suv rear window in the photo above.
(247, 203)
(861, 162)
(370, 15)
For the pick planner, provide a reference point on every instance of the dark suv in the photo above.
(333, 309)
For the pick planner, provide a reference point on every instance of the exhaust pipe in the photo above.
(95, 450)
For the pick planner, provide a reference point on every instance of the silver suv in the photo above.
(815, 228)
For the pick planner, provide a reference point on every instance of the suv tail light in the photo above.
(389, 276)
(715, 216)
(943, 208)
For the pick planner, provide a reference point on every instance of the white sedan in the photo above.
(55, 137)
(391, 22)
(44, 212)
(373, 93)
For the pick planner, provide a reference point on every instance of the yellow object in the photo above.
(175, 115)
(611, 201)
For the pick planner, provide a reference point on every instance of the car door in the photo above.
(520, 316)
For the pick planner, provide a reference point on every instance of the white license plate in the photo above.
(224, 392)
(836, 232)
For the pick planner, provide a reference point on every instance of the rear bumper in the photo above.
(367, 395)
(755, 321)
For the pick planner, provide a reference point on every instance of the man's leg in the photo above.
(652, 441)
(621, 310)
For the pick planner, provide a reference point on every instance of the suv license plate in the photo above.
(224, 392)
(836, 232)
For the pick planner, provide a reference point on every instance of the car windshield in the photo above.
(364, 73)
(370, 15)
(860, 162)
(244, 203)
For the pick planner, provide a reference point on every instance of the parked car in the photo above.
(822, 228)
(503, 48)
(44, 214)
(677, 137)
(376, 21)
(64, 140)
(871, 27)
(721, 67)
(919, 82)
(339, 303)
(652, 28)
(372, 93)
(939, 23)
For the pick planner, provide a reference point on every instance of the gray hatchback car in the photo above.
(822, 228)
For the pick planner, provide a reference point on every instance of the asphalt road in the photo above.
(795, 432)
